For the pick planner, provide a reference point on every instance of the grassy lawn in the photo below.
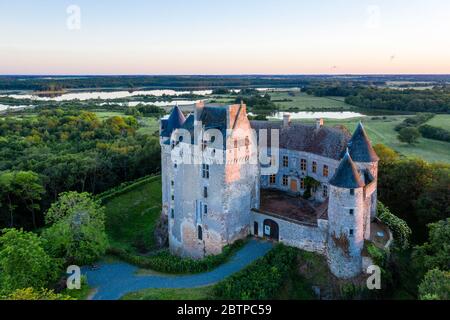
(440, 121)
(382, 131)
(108, 114)
(148, 125)
(132, 216)
(200, 293)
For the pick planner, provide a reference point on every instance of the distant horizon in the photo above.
(223, 75)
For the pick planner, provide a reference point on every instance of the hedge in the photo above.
(164, 261)
(125, 187)
(262, 279)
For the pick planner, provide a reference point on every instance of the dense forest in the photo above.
(55, 83)
(60, 150)
(435, 100)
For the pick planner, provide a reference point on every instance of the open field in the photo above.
(440, 121)
(382, 131)
(148, 125)
(304, 102)
(132, 216)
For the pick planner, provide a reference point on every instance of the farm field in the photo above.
(132, 216)
(382, 131)
(440, 121)
(303, 102)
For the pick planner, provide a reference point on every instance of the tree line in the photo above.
(62, 150)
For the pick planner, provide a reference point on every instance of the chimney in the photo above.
(319, 123)
(286, 120)
(198, 110)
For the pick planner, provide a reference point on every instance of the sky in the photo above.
(224, 37)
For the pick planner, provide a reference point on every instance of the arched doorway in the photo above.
(271, 230)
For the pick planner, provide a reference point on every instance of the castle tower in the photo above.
(175, 120)
(209, 201)
(366, 160)
(346, 220)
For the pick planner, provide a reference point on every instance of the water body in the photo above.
(106, 95)
(4, 107)
(317, 115)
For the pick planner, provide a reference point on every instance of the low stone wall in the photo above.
(295, 234)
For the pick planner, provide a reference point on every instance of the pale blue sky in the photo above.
(225, 37)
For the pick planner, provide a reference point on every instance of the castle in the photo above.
(317, 191)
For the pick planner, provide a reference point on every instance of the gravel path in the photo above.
(113, 280)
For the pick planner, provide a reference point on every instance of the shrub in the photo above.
(33, 294)
(399, 227)
(164, 261)
(435, 285)
(260, 280)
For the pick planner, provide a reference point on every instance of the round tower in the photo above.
(346, 220)
(366, 159)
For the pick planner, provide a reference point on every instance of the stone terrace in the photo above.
(283, 205)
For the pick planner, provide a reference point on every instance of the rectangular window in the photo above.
(205, 209)
(314, 167)
(285, 180)
(247, 143)
(303, 164)
(204, 144)
(235, 144)
(302, 183)
(172, 183)
(205, 192)
(352, 192)
(350, 232)
(205, 171)
(200, 233)
(273, 179)
(325, 191)
(173, 197)
(285, 161)
(351, 211)
(325, 170)
(172, 213)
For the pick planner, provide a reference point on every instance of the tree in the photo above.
(21, 189)
(436, 252)
(435, 285)
(24, 262)
(434, 202)
(409, 135)
(33, 294)
(27, 184)
(78, 231)
(386, 154)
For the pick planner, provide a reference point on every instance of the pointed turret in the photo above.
(175, 121)
(347, 175)
(360, 146)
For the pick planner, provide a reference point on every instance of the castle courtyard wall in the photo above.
(306, 237)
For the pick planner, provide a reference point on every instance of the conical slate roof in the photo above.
(360, 147)
(347, 175)
(175, 121)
